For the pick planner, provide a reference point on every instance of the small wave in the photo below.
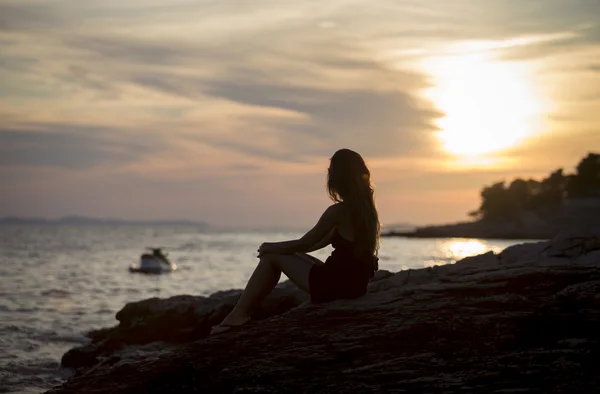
(36, 366)
(56, 293)
(10, 328)
(190, 246)
(32, 377)
(18, 333)
(68, 338)
(26, 310)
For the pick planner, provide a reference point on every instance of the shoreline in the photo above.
(574, 215)
(417, 235)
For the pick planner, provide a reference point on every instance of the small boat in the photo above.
(155, 262)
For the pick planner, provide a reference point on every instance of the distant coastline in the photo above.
(571, 215)
(529, 208)
(478, 230)
(87, 221)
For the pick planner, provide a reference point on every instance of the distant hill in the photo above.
(398, 227)
(82, 220)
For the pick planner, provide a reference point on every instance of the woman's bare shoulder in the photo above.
(337, 209)
(334, 213)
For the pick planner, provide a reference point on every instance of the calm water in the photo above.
(57, 282)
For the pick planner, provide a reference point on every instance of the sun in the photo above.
(488, 105)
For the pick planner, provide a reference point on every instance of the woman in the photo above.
(350, 225)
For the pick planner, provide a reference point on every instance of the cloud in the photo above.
(572, 41)
(378, 123)
(17, 16)
(567, 148)
(594, 67)
(142, 52)
(68, 147)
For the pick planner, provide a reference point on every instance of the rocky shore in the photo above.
(524, 320)
(574, 215)
(482, 229)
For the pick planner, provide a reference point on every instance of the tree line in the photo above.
(502, 200)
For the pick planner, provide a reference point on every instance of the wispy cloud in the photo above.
(69, 147)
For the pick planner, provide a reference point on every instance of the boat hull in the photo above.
(152, 266)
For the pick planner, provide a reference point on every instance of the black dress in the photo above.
(343, 276)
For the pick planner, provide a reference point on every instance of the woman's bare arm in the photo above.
(313, 237)
(322, 243)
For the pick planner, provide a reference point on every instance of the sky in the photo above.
(228, 111)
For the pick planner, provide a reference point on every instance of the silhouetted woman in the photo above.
(350, 225)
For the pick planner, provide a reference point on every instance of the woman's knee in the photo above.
(270, 259)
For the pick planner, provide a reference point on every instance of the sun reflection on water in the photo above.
(453, 250)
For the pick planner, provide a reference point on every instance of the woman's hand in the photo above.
(265, 248)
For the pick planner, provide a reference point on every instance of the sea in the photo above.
(57, 282)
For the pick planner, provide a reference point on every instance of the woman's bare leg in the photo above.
(265, 277)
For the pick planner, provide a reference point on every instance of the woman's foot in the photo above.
(229, 323)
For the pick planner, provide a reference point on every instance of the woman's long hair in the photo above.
(349, 181)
